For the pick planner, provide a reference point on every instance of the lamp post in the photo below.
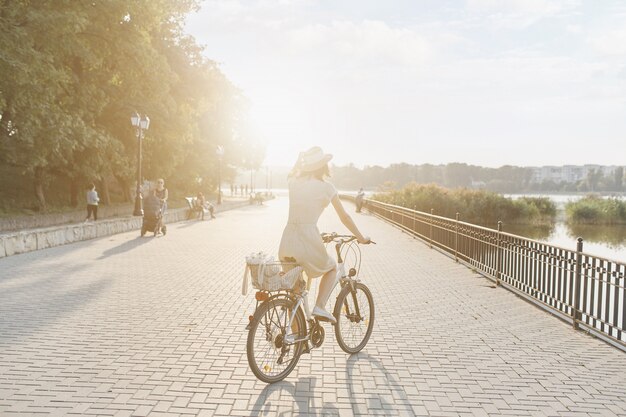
(141, 123)
(220, 153)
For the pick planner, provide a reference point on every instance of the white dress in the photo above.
(308, 197)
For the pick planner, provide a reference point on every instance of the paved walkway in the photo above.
(155, 326)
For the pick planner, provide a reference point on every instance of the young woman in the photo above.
(162, 193)
(309, 195)
(92, 202)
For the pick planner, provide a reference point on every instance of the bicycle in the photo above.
(282, 327)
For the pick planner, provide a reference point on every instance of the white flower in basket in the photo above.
(268, 274)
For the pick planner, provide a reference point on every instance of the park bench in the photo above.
(194, 211)
(191, 207)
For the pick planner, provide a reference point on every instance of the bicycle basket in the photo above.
(286, 277)
(268, 274)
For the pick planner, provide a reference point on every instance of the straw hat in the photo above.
(313, 159)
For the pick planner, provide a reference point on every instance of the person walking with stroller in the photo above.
(309, 195)
(92, 202)
(162, 193)
(152, 214)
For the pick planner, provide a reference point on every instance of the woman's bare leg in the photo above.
(326, 288)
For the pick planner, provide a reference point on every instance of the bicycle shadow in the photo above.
(303, 394)
(388, 393)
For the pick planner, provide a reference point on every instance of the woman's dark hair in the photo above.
(91, 186)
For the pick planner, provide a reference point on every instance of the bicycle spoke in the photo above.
(355, 315)
(269, 355)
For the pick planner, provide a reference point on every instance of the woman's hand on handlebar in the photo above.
(365, 241)
(330, 237)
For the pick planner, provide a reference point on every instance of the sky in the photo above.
(376, 82)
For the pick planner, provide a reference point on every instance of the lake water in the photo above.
(604, 241)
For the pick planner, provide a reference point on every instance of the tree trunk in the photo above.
(73, 192)
(104, 190)
(39, 191)
(125, 188)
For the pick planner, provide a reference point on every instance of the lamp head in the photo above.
(145, 122)
(134, 119)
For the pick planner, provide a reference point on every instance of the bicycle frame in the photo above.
(302, 300)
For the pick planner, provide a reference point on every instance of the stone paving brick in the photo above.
(124, 325)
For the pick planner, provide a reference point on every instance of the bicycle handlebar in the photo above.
(334, 237)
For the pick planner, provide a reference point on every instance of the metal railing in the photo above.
(586, 290)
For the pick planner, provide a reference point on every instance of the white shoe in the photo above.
(323, 315)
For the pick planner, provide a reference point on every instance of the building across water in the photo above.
(571, 173)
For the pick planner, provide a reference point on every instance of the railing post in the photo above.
(430, 237)
(577, 281)
(456, 238)
(414, 216)
(499, 255)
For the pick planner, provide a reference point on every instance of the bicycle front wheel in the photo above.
(272, 353)
(354, 311)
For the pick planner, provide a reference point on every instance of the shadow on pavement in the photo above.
(302, 393)
(126, 246)
(26, 308)
(387, 396)
(368, 368)
(191, 222)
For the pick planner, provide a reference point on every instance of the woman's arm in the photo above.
(347, 220)
(165, 195)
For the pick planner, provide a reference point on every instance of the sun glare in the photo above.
(284, 124)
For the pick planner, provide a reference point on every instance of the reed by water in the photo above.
(596, 210)
(474, 206)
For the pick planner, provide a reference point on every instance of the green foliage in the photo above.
(596, 210)
(474, 206)
(73, 72)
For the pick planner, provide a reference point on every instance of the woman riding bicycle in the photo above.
(309, 195)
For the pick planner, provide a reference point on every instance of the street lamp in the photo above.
(141, 123)
(220, 153)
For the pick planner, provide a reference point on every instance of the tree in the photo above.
(593, 179)
(65, 106)
(457, 175)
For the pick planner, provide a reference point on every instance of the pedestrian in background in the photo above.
(359, 200)
(92, 202)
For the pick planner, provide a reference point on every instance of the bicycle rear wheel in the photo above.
(354, 311)
(271, 356)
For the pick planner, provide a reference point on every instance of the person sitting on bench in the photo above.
(201, 205)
